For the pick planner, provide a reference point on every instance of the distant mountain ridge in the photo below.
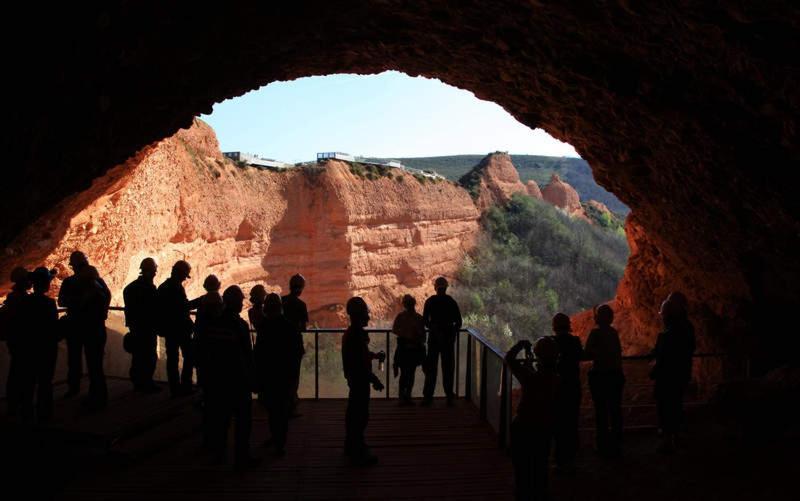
(574, 171)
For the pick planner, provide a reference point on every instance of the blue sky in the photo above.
(385, 115)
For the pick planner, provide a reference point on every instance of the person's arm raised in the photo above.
(511, 357)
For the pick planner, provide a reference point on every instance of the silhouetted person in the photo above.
(672, 371)
(295, 310)
(256, 315)
(606, 380)
(141, 317)
(176, 327)
(11, 328)
(209, 307)
(443, 319)
(278, 350)
(86, 298)
(357, 365)
(568, 407)
(230, 379)
(39, 346)
(409, 327)
(533, 426)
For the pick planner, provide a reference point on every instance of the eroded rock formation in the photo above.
(180, 199)
(563, 196)
(493, 181)
(533, 189)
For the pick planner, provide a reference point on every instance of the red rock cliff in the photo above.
(493, 181)
(180, 199)
(563, 196)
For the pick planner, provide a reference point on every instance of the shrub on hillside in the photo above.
(532, 262)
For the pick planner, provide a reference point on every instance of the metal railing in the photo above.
(481, 373)
(489, 382)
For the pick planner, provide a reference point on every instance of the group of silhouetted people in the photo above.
(231, 367)
(216, 345)
(549, 409)
(30, 325)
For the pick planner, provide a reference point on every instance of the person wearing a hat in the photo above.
(230, 380)
(209, 308)
(277, 352)
(39, 346)
(141, 312)
(443, 319)
(86, 297)
(534, 423)
(357, 365)
(176, 327)
(570, 353)
(295, 310)
(11, 333)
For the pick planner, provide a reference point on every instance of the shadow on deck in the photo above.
(148, 447)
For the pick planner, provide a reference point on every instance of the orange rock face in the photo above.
(499, 180)
(533, 189)
(562, 195)
(180, 199)
(600, 206)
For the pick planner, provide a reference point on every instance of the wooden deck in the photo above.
(148, 447)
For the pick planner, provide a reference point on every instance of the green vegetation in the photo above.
(609, 221)
(471, 181)
(574, 171)
(532, 262)
(369, 171)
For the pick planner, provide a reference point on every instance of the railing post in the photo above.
(483, 381)
(458, 360)
(504, 398)
(316, 365)
(468, 371)
(386, 362)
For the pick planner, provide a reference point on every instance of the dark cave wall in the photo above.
(686, 112)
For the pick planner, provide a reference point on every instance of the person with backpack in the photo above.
(141, 314)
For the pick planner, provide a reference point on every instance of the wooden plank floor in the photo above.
(436, 452)
(147, 447)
